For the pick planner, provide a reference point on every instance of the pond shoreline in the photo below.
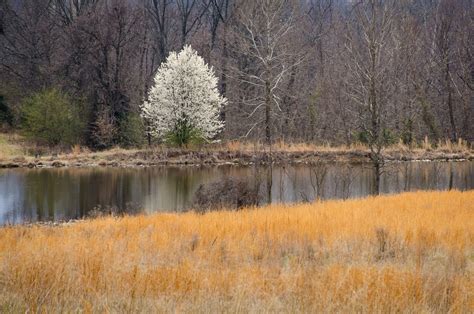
(174, 157)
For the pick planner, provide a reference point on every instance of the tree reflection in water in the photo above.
(61, 194)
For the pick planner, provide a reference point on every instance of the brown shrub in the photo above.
(229, 193)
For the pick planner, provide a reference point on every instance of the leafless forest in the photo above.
(323, 71)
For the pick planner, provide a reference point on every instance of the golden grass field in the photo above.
(412, 252)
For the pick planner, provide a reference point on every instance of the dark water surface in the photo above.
(61, 194)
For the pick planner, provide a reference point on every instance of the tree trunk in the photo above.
(454, 134)
(287, 102)
(224, 70)
(268, 134)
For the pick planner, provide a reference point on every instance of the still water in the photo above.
(68, 193)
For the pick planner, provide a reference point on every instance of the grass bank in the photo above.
(12, 146)
(412, 252)
(16, 152)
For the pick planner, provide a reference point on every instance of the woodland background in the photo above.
(322, 71)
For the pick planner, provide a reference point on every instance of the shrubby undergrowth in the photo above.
(52, 117)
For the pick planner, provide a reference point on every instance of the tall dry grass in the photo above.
(14, 146)
(11, 146)
(285, 146)
(412, 252)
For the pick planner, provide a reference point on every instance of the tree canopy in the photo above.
(184, 103)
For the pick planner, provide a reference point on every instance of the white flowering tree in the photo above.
(184, 103)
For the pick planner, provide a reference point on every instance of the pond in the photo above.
(29, 195)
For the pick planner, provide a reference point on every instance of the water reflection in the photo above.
(59, 194)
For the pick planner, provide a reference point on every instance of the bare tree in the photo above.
(370, 55)
(112, 34)
(190, 14)
(443, 33)
(160, 16)
(28, 43)
(264, 30)
(220, 13)
(67, 11)
(319, 13)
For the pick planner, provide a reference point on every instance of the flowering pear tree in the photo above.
(184, 104)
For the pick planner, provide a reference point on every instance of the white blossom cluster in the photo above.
(185, 88)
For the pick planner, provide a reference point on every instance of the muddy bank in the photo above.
(144, 158)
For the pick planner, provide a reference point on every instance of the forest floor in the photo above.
(17, 152)
(412, 252)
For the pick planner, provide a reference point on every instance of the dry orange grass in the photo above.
(412, 252)
(443, 146)
(280, 145)
(13, 147)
